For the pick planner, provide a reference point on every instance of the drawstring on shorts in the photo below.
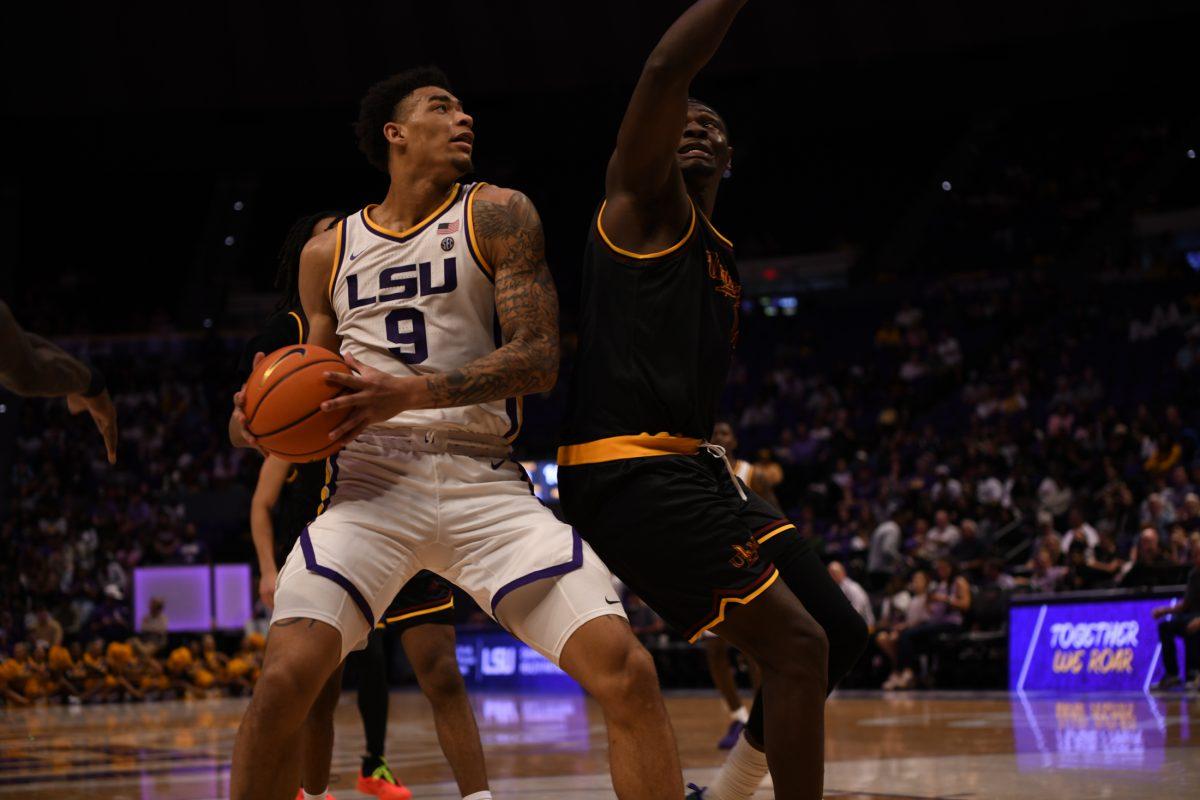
(716, 451)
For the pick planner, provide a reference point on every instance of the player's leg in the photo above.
(570, 621)
(301, 654)
(373, 701)
(612, 666)
(316, 738)
(717, 653)
(430, 650)
(336, 581)
(804, 573)
(792, 651)
(543, 583)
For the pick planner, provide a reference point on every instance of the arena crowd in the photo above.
(983, 437)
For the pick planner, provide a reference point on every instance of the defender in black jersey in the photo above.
(657, 502)
(287, 498)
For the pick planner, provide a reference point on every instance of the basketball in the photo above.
(283, 402)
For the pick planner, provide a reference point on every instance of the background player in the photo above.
(31, 366)
(286, 498)
(441, 299)
(659, 319)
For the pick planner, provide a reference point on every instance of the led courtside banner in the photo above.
(495, 660)
(1106, 645)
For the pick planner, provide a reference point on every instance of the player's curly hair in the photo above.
(381, 105)
(287, 274)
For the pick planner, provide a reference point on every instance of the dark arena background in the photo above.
(969, 244)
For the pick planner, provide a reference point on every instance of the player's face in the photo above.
(437, 131)
(722, 435)
(704, 150)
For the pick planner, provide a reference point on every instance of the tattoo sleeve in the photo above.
(33, 367)
(512, 240)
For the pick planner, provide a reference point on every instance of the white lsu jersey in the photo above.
(422, 302)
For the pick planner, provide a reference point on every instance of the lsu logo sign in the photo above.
(1086, 646)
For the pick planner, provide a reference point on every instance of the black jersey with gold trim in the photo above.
(656, 336)
(281, 329)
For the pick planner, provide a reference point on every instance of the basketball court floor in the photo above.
(552, 747)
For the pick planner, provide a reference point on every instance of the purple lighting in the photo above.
(186, 591)
(233, 589)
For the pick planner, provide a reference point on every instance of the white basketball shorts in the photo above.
(392, 512)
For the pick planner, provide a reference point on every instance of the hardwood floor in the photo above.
(538, 747)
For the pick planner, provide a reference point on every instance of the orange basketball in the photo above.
(283, 402)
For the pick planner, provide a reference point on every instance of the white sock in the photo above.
(319, 796)
(741, 773)
(741, 715)
(484, 795)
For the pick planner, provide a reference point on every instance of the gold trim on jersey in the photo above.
(716, 232)
(472, 241)
(785, 526)
(615, 448)
(520, 420)
(645, 256)
(377, 228)
(339, 238)
(725, 601)
(299, 327)
(325, 489)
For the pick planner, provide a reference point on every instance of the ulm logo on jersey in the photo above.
(405, 282)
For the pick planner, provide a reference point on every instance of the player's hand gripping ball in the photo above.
(283, 397)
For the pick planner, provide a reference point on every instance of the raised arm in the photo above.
(510, 236)
(643, 180)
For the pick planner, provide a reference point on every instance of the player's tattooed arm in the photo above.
(510, 234)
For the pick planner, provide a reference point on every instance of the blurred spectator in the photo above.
(904, 607)
(943, 536)
(1184, 621)
(46, 630)
(969, 551)
(1082, 532)
(1148, 565)
(1157, 513)
(945, 491)
(153, 629)
(1046, 575)
(853, 591)
(883, 556)
(949, 598)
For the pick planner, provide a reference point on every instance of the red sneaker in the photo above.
(383, 784)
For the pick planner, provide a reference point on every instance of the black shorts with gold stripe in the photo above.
(673, 528)
(425, 600)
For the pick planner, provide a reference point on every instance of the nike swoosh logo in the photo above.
(278, 361)
(611, 602)
(355, 255)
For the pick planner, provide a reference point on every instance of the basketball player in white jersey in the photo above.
(441, 300)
